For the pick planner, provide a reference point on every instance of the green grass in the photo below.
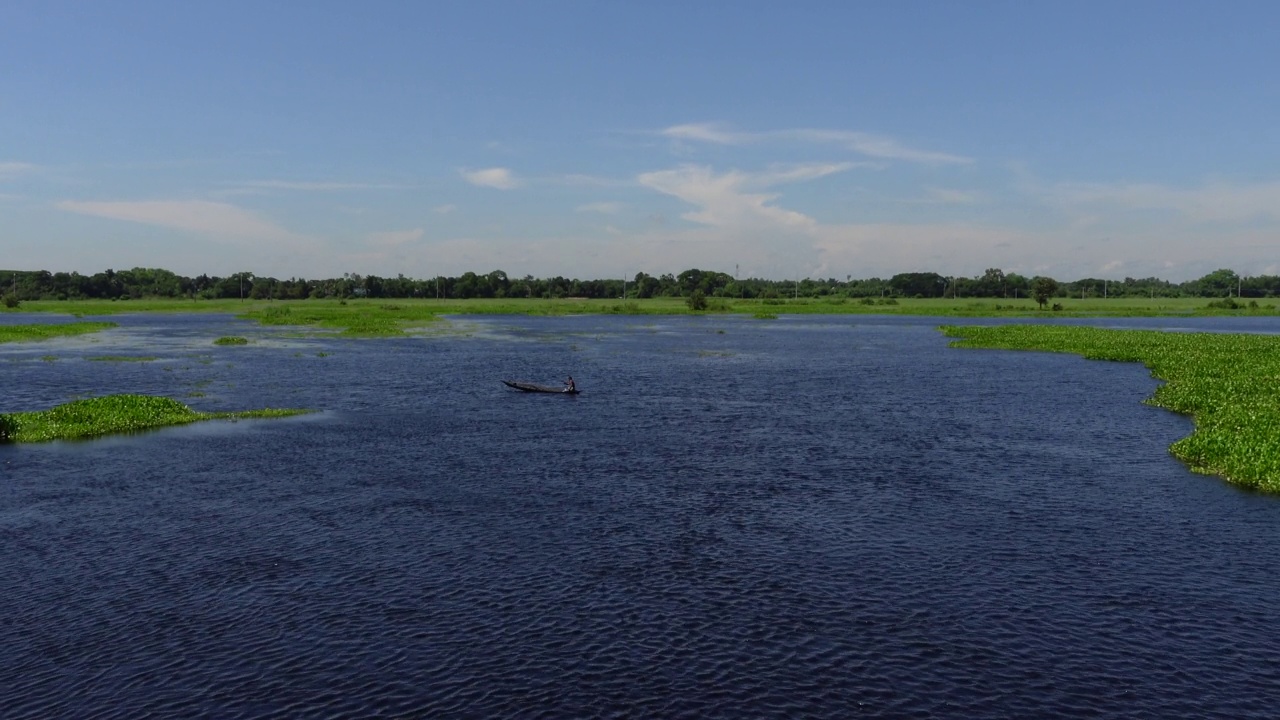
(109, 415)
(31, 332)
(356, 318)
(231, 340)
(1229, 384)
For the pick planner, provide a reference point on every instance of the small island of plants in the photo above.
(1229, 384)
(112, 414)
(44, 331)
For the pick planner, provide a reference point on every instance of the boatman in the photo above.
(569, 386)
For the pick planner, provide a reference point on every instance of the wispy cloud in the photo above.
(394, 238)
(1214, 202)
(12, 169)
(605, 208)
(580, 180)
(218, 220)
(444, 209)
(712, 133)
(868, 144)
(498, 177)
(312, 186)
(725, 201)
(949, 196)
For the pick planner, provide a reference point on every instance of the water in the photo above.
(819, 517)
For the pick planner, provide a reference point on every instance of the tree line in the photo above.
(17, 285)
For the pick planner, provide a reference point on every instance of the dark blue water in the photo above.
(808, 517)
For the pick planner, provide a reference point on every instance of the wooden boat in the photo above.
(535, 387)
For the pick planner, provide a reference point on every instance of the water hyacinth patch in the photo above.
(112, 414)
(231, 340)
(1228, 383)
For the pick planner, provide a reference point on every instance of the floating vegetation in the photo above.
(358, 319)
(1229, 384)
(322, 354)
(109, 415)
(762, 315)
(49, 358)
(122, 358)
(231, 340)
(31, 332)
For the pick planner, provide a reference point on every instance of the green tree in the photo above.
(1043, 288)
(697, 301)
(1219, 283)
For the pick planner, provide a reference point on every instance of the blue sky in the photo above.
(601, 139)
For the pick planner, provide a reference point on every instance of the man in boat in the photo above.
(569, 386)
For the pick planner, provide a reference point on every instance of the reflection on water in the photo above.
(800, 517)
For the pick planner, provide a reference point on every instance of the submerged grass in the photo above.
(21, 333)
(109, 415)
(122, 358)
(1229, 384)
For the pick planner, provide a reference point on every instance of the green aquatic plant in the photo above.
(231, 340)
(355, 319)
(35, 331)
(112, 414)
(1228, 383)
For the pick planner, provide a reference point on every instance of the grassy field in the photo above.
(336, 314)
(1230, 385)
(389, 318)
(112, 414)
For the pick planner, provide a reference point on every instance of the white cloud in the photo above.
(605, 208)
(1113, 266)
(394, 238)
(498, 177)
(876, 146)
(444, 209)
(723, 199)
(218, 220)
(709, 132)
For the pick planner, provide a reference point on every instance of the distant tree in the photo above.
(1043, 288)
(11, 301)
(1219, 283)
(922, 284)
(697, 301)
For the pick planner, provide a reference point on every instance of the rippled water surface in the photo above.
(817, 517)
